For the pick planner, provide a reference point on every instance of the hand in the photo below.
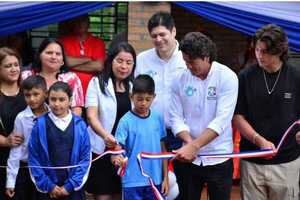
(165, 186)
(64, 192)
(117, 160)
(298, 137)
(110, 141)
(265, 144)
(10, 192)
(187, 153)
(56, 192)
(14, 140)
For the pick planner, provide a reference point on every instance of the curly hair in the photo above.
(198, 45)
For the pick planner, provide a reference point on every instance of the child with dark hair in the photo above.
(18, 183)
(142, 129)
(59, 139)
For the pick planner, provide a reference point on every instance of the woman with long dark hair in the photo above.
(107, 100)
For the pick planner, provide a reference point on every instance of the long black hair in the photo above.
(37, 65)
(107, 73)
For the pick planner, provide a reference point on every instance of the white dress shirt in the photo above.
(23, 125)
(61, 122)
(199, 104)
(163, 73)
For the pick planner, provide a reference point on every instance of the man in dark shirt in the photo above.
(268, 103)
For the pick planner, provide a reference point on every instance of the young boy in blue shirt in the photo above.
(142, 129)
(18, 183)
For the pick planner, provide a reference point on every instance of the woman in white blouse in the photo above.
(107, 100)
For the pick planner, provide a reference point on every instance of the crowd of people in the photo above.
(76, 102)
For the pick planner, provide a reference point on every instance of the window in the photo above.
(104, 23)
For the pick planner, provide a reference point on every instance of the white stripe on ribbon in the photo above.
(140, 156)
(74, 166)
(245, 154)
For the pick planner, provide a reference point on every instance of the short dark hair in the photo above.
(197, 45)
(143, 83)
(34, 81)
(61, 86)
(161, 19)
(275, 39)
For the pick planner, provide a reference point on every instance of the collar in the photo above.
(174, 54)
(28, 111)
(65, 119)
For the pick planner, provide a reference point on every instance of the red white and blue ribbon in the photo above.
(144, 155)
(246, 154)
(121, 170)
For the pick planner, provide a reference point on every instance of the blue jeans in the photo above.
(139, 193)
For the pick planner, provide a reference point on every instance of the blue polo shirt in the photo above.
(137, 134)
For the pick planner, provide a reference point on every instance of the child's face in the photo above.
(59, 103)
(35, 97)
(142, 103)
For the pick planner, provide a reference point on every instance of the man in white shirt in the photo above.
(203, 99)
(164, 63)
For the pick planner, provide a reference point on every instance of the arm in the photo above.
(13, 140)
(298, 137)
(91, 63)
(189, 151)
(15, 155)
(226, 102)
(78, 98)
(89, 66)
(80, 174)
(249, 133)
(73, 61)
(92, 117)
(177, 119)
(240, 119)
(38, 175)
(92, 113)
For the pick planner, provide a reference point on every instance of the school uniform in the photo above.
(19, 178)
(59, 142)
(137, 134)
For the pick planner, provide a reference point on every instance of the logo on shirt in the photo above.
(287, 95)
(151, 73)
(189, 91)
(211, 93)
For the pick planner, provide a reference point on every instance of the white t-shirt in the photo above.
(164, 73)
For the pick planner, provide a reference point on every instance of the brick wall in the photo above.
(138, 16)
(229, 42)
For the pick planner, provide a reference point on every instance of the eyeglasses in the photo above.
(121, 61)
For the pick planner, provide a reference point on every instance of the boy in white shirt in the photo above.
(18, 184)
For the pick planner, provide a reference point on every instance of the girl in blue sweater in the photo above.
(59, 138)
